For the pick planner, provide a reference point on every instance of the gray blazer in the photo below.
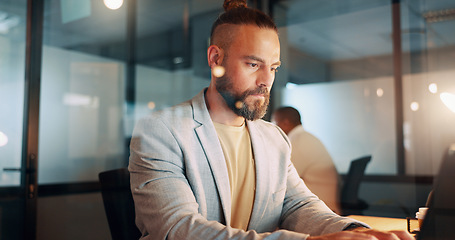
(180, 183)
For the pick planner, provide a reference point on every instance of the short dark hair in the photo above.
(237, 13)
(289, 113)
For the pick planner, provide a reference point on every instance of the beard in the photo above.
(238, 102)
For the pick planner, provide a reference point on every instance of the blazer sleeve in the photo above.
(166, 207)
(305, 212)
(302, 210)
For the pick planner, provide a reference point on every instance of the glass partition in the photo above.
(338, 72)
(12, 93)
(428, 34)
(93, 57)
(82, 91)
(12, 66)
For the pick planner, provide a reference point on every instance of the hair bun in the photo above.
(231, 4)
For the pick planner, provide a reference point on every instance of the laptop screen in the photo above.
(439, 223)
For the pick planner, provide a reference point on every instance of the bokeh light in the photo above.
(218, 71)
(3, 139)
(379, 92)
(151, 105)
(113, 4)
(414, 106)
(449, 100)
(433, 88)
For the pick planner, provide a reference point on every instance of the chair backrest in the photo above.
(350, 190)
(119, 204)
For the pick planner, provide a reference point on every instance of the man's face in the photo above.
(250, 63)
(252, 110)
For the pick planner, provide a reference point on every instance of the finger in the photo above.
(350, 235)
(403, 235)
(344, 235)
(381, 235)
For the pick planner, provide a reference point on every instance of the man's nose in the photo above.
(266, 78)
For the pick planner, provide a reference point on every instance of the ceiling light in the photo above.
(113, 4)
(439, 15)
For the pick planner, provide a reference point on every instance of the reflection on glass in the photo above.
(433, 88)
(327, 106)
(12, 71)
(82, 91)
(380, 92)
(366, 92)
(12, 60)
(449, 100)
(414, 106)
(3, 139)
(337, 64)
(72, 99)
(8, 21)
(290, 85)
(113, 4)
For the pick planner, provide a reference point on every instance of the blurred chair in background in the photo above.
(351, 204)
(119, 204)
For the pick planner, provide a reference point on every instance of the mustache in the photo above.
(259, 90)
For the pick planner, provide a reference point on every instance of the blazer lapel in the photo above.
(262, 175)
(209, 140)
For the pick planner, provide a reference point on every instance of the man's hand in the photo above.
(365, 234)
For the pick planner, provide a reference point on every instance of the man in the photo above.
(188, 178)
(309, 156)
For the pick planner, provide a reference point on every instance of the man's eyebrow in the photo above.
(255, 58)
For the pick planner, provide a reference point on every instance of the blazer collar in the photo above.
(207, 134)
(208, 138)
(262, 174)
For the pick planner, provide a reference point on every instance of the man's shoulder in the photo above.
(169, 116)
(168, 113)
(300, 133)
(182, 110)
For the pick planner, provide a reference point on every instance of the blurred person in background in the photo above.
(310, 157)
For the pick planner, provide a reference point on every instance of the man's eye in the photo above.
(253, 65)
(275, 69)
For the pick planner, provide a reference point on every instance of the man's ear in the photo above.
(286, 125)
(214, 56)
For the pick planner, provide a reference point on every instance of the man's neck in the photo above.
(292, 129)
(219, 111)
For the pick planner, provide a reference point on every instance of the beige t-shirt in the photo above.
(236, 145)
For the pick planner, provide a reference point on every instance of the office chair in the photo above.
(350, 202)
(119, 204)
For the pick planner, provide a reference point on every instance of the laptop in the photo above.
(439, 222)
